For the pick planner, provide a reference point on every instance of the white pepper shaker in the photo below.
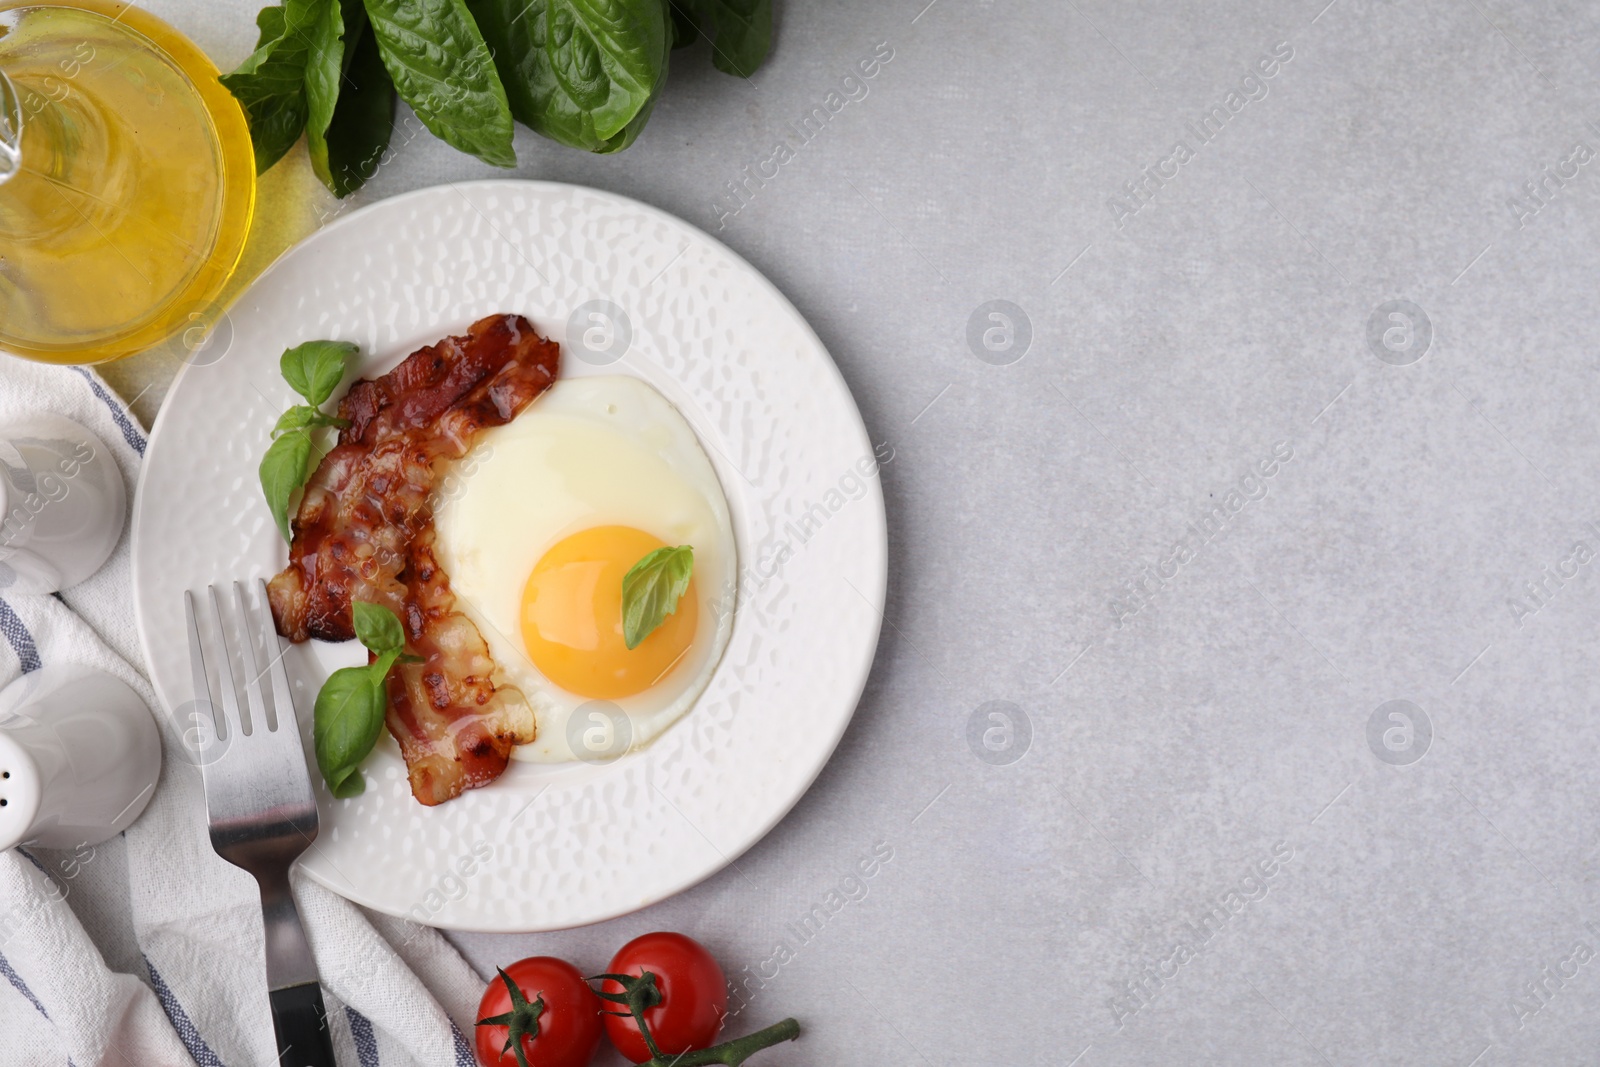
(62, 504)
(79, 757)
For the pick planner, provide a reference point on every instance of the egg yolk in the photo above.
(572, 616)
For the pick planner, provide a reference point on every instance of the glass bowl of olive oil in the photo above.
(127, 182)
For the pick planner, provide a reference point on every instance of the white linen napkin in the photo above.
(146, 951)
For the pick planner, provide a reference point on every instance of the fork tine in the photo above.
(230, 696)
(197, 665)
(282, 697)
(252, 680)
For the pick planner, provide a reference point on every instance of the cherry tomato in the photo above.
(569, 1026)
(694, 996)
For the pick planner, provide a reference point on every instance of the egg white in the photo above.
(592, 451)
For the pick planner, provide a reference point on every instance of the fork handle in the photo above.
(298, 1014)
(301, 1023)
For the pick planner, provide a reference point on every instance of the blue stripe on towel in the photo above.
(464, 1057)
(21, 987)
(130, 429)
(361, 1033)
(199, 1051)
(21, 640)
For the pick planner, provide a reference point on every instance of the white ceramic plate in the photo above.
(549, 847)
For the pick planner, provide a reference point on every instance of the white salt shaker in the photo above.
(62, 504)
(79, 757)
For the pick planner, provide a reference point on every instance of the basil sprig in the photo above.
(586, 73)
(651, 590)
(314, 370)
(350, 707)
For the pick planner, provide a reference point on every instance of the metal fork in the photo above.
(261, 811)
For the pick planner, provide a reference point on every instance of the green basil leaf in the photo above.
(740, 32)
(442, 68)
(684, 30)
(345, 723)
(362, 122)
(378, 628)
(283, 471)
(325, 63)
(315, 368)
(298, 417)
(301, 417)
(651, 590)
(269, 26)
(271, 83)
(581, 72)
(351, 784)
(379, 668)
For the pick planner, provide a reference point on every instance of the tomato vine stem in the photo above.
(521, 1021)
(640, 993)
(732, 1053)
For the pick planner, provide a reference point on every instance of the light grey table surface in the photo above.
(1203, 835)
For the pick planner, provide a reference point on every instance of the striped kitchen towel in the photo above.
(146, 951)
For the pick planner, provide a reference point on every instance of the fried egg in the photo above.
(537, 527)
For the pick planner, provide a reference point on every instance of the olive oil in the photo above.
(128, 209)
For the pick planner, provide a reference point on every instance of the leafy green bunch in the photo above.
(585, 73)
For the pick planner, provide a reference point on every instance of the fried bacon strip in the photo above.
(364, 531)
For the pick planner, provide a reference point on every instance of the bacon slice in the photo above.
(364, 531)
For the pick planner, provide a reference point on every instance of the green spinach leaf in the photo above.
(651, 590)
(582, 72)
(442, 68)
(271, 83)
